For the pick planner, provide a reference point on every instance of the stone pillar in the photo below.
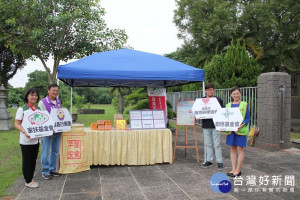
(5, 123)
(274, 111)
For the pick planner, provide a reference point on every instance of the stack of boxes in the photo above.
(103, 125)
(94, 126)
(107, 125)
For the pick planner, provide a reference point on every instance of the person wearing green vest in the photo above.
(29, 146)
(238, 140)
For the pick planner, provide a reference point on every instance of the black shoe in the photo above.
(54, 173)
(46, 176)
(239, 174)
(234, 175)
(229, 174)
(206, 164)
(220, 166)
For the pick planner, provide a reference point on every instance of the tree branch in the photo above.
(46, 68)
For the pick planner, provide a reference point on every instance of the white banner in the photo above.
(62, 119)
(38, 123)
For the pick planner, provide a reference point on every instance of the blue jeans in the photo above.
(212, 137)
(50, 151)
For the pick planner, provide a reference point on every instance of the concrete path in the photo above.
(184, 179)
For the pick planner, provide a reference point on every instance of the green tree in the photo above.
(181, 57)
(9, 63)
(78, 101)
(39, 80)
(121, 92)
(65, 94)
(234, 68)
(15, 96)
(204, 25)
(94, 95)
(58, 29)
(178, 56)
(268, 29)
(275, 27)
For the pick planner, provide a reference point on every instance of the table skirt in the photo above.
(129, 147)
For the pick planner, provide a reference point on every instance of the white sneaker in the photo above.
(32, 184)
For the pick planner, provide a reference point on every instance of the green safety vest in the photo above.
(243, 108)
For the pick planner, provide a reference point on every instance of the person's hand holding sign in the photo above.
(241, 126)
(27, 135)
(21, 129)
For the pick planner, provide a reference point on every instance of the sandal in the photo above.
(32, 184)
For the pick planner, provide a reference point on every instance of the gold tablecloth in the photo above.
(129, 147)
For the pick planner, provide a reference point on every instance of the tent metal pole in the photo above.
(203, 87)
(71, 99)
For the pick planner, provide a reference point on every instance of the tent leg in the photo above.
(71, 100)
(203, 87)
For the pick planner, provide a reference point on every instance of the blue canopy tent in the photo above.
(128, 68)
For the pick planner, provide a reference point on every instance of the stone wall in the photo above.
(268, 110)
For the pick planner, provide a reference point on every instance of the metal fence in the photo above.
(249, 94)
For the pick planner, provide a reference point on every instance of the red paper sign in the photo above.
(157, 103)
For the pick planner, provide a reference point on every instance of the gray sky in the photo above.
(148, 24)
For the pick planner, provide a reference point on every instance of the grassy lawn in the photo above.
(10, 159)
(10, 156)
(295, 135)
(87, 119)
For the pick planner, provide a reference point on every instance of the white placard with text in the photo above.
(38, 123)
(62, 119)
(228, 119)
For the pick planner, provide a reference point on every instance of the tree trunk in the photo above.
(121, 104)
(55, 66)
(47, 69)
